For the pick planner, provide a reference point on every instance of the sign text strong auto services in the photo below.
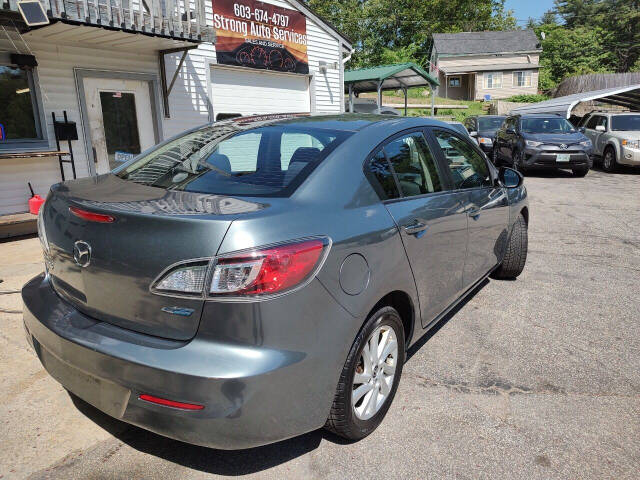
(255, 34)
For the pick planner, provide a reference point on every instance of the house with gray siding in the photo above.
(486, 65)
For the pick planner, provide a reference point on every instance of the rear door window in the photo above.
(413, 165)
(233, 159)
(468, 168)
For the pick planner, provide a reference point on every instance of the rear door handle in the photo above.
(416, 228)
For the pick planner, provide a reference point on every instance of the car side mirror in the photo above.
(511, 131)
(600, 128)
(510, 178)
(581, 129)
(473, 133)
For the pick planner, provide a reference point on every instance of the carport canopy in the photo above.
(388, 77)
(628, 97)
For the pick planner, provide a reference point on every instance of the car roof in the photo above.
(538, 115)
(615, 113)
(350, 122)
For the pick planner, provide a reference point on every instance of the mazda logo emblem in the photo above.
(82, 253)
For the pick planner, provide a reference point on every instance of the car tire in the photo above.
(495, 158)
(518, 164)
(580, 172)
(516, 255)
(350, 420)
(609, 162)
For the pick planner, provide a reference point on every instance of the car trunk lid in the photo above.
(153, 228)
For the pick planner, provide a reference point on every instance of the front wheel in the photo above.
(495, 158)
(370, 376)
(609, 162)
(516, 254)
(581, 171)
(518, 162)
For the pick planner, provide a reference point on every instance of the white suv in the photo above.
(615, 138)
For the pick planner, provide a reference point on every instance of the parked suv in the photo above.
(542, 140)
(615, 138)
(483, 128)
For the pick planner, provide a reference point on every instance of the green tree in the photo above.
(618, 22)
(387, 30)
(567, 52)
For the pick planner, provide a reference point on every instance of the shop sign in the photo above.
(254, 34)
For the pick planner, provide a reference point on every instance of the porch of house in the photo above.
(458, 86)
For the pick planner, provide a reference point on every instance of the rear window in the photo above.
(231, 159)
(621, 123)
(493, 123)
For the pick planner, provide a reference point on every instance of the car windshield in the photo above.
(623, 123)
(546, 125)
(493, 123)
(234, 159)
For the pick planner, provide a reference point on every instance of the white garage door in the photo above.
(249, 93)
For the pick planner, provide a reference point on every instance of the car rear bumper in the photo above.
(549, 159)
(252, 395)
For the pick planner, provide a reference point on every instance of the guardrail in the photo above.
(182, 19)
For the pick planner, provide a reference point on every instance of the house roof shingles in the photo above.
(469, 43)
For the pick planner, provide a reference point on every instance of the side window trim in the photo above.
(447, 184)
(443, 161)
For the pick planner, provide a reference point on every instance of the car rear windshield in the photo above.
(622, 123)
(490, 123)
(232, 159)
(546, 125)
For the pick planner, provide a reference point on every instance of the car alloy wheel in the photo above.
(608, 160)
(517, 161)
(375, 372)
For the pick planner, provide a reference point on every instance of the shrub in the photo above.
(532, 98)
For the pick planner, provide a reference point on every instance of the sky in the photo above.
(524, 9)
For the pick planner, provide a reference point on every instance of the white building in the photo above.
(104, 67)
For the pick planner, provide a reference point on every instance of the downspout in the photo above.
(342, 62)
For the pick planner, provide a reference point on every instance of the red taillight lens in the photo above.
(170, 403)
(267, 271)
(91, 216)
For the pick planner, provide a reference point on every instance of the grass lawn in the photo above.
(416, 96)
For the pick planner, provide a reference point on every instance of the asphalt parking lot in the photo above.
(536, 378)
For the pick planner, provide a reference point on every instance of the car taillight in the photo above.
(91, 216)
(185, 278)
(267, 271)
(260, 272)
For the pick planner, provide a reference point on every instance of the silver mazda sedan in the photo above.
(262, 277)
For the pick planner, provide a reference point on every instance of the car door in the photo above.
(600, 138)
(590, 130)
(486, 203)
(430, 218)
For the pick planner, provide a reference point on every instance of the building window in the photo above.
(454, 82)
(20, 124)
(522, 79)
(493, 80)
